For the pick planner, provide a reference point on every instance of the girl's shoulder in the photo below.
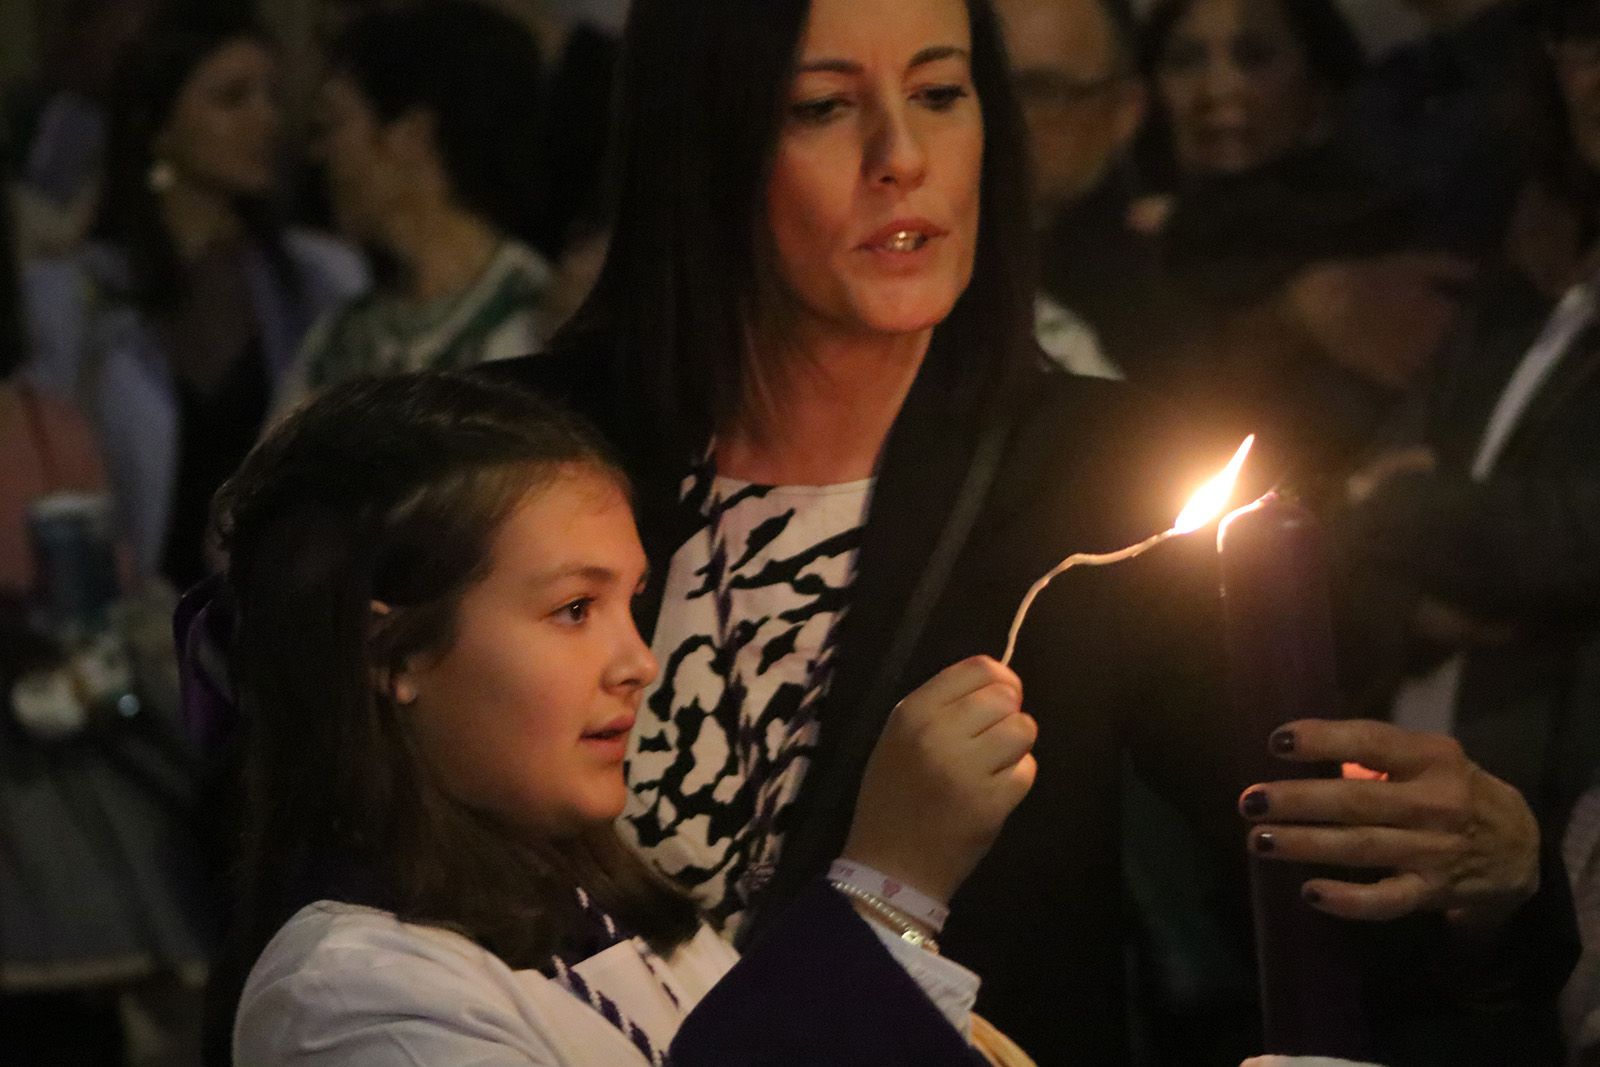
(344, 982)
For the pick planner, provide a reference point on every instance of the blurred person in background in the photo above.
(104, 926)
(1242, 83)
(431, 135)
(1458, 116)
(1472, 596)
(58, 122)
(1307, 288)
(174, 328)
(1078, 83)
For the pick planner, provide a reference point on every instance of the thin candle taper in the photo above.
(1204, 506)
(1077, 559)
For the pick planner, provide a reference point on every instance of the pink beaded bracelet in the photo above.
(919, 906)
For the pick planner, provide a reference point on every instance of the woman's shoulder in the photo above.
(1110, 446)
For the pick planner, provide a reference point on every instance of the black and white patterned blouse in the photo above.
(745, 643)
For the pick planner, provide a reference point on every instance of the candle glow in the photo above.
(1207, 503)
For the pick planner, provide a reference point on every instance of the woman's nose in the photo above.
(895, 153)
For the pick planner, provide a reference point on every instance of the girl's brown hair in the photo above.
(391, 490)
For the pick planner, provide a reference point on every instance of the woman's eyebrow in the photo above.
(931, 54)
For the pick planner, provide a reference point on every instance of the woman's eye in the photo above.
(942, 97)
(816, 112)
(574, 612)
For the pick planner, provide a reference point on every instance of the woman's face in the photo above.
(223, 133)
(1237, 87)
(872, 206)
(1577, 62)
(526, 715)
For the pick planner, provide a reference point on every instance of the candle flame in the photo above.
(1211, 499)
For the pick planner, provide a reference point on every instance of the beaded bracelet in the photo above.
(919, 906)
(896, 919)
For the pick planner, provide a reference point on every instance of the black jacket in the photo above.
(1112, 660)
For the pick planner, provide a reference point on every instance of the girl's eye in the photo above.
(942, 97)
(575, 612)
(816, 112)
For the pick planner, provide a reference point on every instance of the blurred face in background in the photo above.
(223, 133)
(1080, 96)
(370, 162)
(872, 203)
(1237, 87)
(1577, 62)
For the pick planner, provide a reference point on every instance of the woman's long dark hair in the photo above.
(477, 71)
(702, 89)
(391, 490)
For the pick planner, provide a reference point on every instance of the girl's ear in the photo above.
(401, 687)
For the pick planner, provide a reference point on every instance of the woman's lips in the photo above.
(902, 236)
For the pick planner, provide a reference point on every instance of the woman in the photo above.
(437, 661)
(174, 329)
(1306, 290)
(1244, 82)
(431, 136)
(811, 342)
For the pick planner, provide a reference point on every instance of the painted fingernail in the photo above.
(1310, 895)
(1264, 842)
(1281, 742)
(1254, 804)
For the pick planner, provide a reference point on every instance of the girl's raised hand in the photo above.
(951, 764)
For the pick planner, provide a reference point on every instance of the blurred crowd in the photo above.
(1383, 262)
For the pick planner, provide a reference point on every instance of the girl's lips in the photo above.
(609, 742)
(621, 726)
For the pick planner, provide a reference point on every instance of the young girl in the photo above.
(436, 659)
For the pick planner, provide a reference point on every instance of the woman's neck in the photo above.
(441, 251)
(198, 219)
(818, 413)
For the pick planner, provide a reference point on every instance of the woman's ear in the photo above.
(400, 686)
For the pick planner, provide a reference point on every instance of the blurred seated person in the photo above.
(431, 136)
(59, 123)
(1077, 80)
(100, 918)
(174, 328)
(1306, 289)
(1472, 598)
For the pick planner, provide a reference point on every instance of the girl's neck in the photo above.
(441, 251)
(817, 412)
(198, 219)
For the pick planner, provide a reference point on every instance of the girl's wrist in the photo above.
(894, 893)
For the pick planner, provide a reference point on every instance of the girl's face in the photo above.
(1237, 87)
(872, 204)
(526, 715)
(225, 124)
